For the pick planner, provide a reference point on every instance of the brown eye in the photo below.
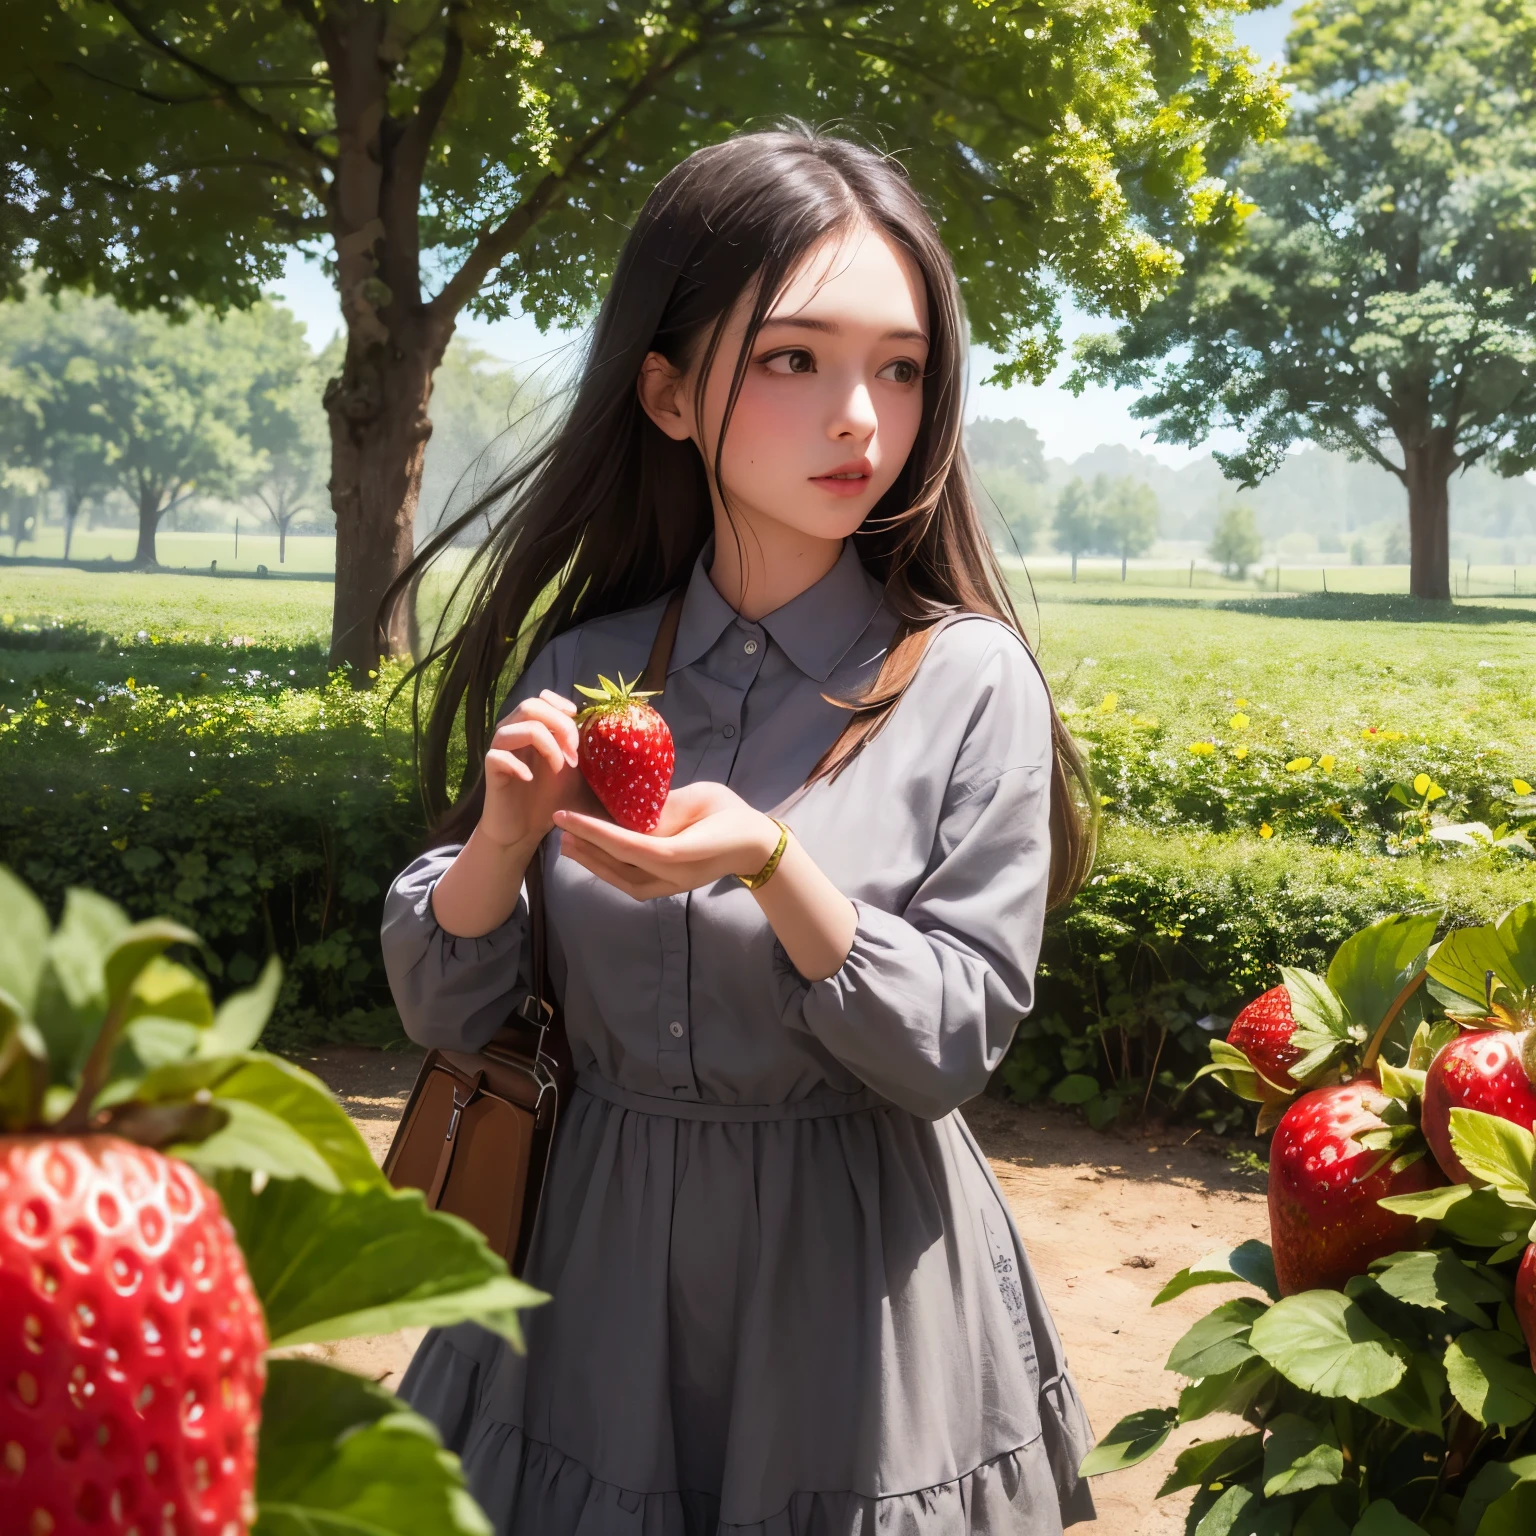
(902, 371)
(797, 360)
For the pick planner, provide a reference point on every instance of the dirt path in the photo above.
(1106, 1219)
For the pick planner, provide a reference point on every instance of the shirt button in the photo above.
(750, 647)
(676, 1030)
(728, 732)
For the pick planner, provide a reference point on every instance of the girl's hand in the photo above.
(530, 771)
(706, 832)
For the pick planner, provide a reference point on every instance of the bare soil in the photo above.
(1107, 1219)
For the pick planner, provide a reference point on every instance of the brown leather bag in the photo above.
(478, 1126)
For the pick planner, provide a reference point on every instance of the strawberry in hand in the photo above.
(626, 753)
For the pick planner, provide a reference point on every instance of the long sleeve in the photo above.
(456, 992)
(929, 998)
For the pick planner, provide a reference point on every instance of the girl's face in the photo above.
(832, 397)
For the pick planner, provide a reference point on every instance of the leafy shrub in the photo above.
(270, 817)
(1175, 931)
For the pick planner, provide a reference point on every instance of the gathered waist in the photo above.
(817, 1107)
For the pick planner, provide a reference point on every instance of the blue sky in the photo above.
(1070, 426)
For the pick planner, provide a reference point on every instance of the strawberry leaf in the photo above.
(1439, 1281)
(1132, 1440)
(1325, 1343)
(1494, 1480)
(339, 1454)
(1319, 1011)
(1401, 1083)
(1250, 1263)
(1298, 1455)
(1219, 1341)
(1233, 1391)
(333, 1266)
(1382, 1518)
(1370, 969)
(1417, 1401)
(254, 1139)
(242, 1016)
(1490, 1385)
(1498, 1152)
(1213, 1461)
(23, 941)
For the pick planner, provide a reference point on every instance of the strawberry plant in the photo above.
(1380, 1358)
(176, 1207)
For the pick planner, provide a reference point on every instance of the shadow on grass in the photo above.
(1358, 607)
(124, 568)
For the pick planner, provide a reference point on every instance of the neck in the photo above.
(759, 566)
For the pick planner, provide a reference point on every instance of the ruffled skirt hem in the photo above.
(529, 1488)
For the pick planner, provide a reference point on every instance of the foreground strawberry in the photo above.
(1263, 1031)
(626, 753)
(131, 1349)
(1325, 1223)
(1484, 1070)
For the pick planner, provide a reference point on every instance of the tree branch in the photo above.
(227, 90)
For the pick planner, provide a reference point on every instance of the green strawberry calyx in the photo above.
(609, 697)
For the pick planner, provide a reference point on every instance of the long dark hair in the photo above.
(610, 513)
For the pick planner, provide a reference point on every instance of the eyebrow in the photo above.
(831, 328)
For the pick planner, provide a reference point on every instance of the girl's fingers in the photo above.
(619, 842)
(508, 762)
(559, 724)
(563, 704)
(524, 734)
(636, 883)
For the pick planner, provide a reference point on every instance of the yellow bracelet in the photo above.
(765, 874)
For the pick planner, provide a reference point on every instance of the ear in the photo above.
(663, 396)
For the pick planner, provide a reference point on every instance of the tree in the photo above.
(49, 423)
(455, 155)
(1077, 521)
(1380, 301)
(1127, 517)
(286, 424)
(1008, 460)
(1236, 544)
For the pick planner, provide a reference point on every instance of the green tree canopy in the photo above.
(479, 156)
(1381, 301)
(1235, 543)
(1112, 515)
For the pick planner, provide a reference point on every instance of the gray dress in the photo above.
(788, 1297)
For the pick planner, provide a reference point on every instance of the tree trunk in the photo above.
(1074, 565)
(1427, 466)
(282, 541)
(149, 521)
(71, 512)
(379, 431)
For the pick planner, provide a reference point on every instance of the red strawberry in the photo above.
(626, 753)
(1325, 1224)
(130, 1348)
(1525, 1299)
(1483, 1070)
(1262, 1032)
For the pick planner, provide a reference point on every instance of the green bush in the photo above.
(1176, 928)
(270, 817)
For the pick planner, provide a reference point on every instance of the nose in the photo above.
(854, 418)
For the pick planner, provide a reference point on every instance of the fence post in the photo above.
(1191, 575)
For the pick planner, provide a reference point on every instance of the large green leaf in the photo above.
(340, 1456)
(1219, 1341)
(23, 940)
(1250, 1263)
(1382, 1518)
(1214, 1461)
(1494, 1479)
(71, 998)
(254, 1140)
(243, 1015)
(1491, 1378)
(283, 1091)
(1241, 1511)
(1467, 960)
(1321, 1517)
(1438, 1280)
(1512, 1515)
(334, 1265)
(1497, 1151)
(1233, 1391)
(1300, 1454)
(1137, 1436)
(1325, 1343)
(1370, 968)
(135, 947)
(1418, 1400)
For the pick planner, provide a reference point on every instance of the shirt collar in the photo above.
(815, 629)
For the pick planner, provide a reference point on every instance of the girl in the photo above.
(787, 1294)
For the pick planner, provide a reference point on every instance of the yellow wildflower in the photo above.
(1238, 722)
(1202, 748)
(1426, 786)
(130, 682)
(1326, 762)
(1240, 703)
(1520, 786)
(1265, 830)
(1239, 753)
(1109, 703)
(1298, 765)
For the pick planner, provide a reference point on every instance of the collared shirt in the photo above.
(938, 832)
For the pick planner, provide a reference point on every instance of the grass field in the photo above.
(1315, 668)
(306, 554)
